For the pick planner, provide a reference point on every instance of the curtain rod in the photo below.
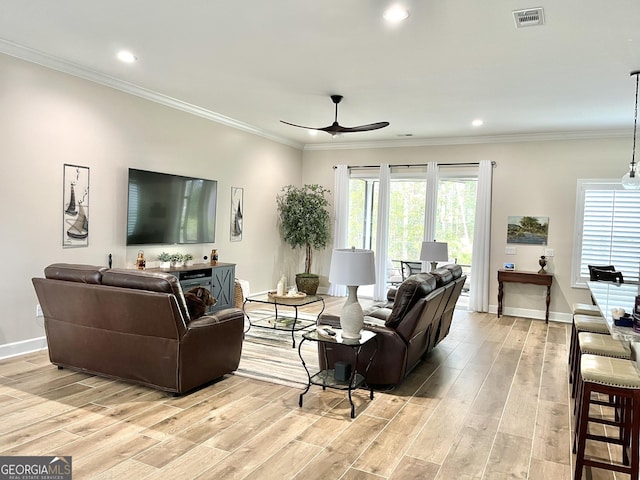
(463, 164)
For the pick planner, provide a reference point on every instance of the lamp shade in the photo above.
(434, 251)
(351, 266)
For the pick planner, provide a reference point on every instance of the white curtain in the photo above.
(430, 208)
(479, 288)
(340, 218)
(382, 234)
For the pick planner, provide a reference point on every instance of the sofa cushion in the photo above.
(143, 280)
(410, 291)
(455, 269)
(75, 273)
(442, 276)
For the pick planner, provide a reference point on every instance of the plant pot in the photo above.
(307, 283)
(165, 264)
(188, 263)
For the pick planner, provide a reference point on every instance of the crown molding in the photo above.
(475, 140)
(64, 66)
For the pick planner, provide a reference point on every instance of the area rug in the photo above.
(267, 354)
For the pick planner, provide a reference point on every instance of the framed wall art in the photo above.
(527, 230)
(237, 214)
(75, 206)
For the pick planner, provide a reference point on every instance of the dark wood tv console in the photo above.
(218, 278)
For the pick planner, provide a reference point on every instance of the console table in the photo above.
(218, 278)
(515, 276)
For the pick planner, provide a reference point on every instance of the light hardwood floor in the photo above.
(490, 402)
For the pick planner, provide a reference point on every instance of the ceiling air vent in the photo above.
(529, 18)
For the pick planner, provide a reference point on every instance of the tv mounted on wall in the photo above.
(170, 209)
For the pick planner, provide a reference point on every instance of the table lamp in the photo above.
(434, 252)
(352, 267)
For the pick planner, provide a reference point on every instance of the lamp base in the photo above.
(351, 315)
(434, 265)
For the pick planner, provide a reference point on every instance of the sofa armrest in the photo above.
(211, 347)
(221, 316)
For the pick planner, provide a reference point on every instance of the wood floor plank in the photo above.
(381, 457)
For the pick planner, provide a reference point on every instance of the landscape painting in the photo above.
(527, 230)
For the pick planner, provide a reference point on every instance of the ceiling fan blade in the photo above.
(301, 126)
(365, 128)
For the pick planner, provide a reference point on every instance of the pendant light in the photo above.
(631, 180)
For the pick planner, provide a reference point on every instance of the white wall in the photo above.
(532, 178)
(48, 118)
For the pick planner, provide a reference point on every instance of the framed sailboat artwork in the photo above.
(75, 206)
(237, 214)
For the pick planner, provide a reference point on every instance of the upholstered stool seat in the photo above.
(590, 323)
(583, 323)
(586, 309)
(602, 345)
(617, 378)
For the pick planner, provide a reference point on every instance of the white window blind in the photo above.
(607, 229)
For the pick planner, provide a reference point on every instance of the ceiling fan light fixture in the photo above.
(631, 180)
(477, 122)
(395, 14)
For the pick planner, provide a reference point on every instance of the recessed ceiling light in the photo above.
(126, 56)
(395, 14)
(477, 122)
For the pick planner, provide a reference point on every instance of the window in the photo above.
(607, 229)
(455, 212)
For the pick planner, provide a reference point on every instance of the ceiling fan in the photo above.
(335, 128)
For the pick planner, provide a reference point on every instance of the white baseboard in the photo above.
(20, 348)
(535, 314)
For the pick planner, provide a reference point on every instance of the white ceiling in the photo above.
(254, 62)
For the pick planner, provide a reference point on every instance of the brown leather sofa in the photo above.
(416, 317)
(134, 325)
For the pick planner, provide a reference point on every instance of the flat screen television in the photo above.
(166, 209)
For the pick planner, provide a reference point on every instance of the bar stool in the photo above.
(601, 345)
(619, 379)
(586, 309)
(583, 323)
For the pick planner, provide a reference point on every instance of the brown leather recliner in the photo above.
(134, 325)
(416, 317)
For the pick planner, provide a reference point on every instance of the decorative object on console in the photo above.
(141, 263)
(352, 267)
(336, 129)
(214, 257)
(304, 222)
(509, 266)
(165, 260)
(75, 217)
(188, 260)
(631, 180)
(543, 263)
(177, 259)
(236, 214)
(434, 252)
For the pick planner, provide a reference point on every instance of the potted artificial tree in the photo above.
(304, 222)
